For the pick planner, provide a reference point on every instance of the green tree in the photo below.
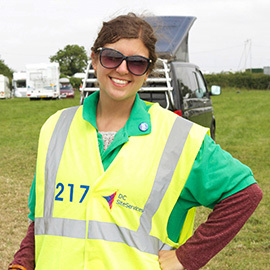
(5, 70)
(72, 59)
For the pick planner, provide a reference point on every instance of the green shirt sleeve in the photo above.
(215, 175)
(32, 200)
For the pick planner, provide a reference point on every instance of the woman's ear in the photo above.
(147, 74)
(145, 78)
(94, 60)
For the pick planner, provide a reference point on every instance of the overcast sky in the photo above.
(227, 35)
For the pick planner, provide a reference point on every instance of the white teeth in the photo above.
(119, 81)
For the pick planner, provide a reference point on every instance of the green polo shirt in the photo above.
(215, 174)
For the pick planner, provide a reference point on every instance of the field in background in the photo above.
(243, 129)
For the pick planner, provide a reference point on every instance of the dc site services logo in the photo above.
(121, 200)
(110, 199)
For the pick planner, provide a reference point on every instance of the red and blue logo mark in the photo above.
(110, 199)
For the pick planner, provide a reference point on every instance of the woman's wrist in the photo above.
(16, 267)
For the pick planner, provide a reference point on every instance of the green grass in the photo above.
(243, 129)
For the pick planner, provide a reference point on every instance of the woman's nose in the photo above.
(122, 69)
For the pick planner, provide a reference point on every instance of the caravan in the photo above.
(4, 87)
(42, 81)
(19, 84)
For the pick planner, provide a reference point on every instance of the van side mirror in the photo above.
(215, 90)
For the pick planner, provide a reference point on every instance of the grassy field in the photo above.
(243, 129)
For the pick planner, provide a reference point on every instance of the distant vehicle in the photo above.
(66, 89)
(19, 84)
(4, 87)
(42, 81)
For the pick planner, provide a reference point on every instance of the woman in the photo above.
(117, 179)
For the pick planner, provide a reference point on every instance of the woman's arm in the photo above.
(25, 256)
(227, 218)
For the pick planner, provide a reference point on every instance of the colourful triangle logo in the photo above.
(110, 199)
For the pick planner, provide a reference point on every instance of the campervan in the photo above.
(4, 87)
(42, 81)
(19, 84)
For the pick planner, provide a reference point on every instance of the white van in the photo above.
(4, 87)
(42, 81)
(19, 84)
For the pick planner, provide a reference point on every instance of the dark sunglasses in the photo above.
(136, 64)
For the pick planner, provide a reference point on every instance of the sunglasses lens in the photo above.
(110, 58)
(138, 65)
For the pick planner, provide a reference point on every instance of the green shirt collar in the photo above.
(139, 122)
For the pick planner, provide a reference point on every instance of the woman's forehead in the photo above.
(133, 46)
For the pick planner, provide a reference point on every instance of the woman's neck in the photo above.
(113, 115)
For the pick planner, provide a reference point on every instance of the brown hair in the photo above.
(127, 26)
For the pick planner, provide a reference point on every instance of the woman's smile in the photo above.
(119, 82)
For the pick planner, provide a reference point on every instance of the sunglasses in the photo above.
(136, 64)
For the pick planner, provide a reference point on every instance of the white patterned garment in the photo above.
(107, 137)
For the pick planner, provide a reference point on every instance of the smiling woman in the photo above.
(117, 179)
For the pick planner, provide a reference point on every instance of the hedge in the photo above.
(245, 80)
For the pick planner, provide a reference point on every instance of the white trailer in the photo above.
(4, 87)
(42, 81)
(19, 84)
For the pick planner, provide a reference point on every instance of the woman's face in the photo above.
(119, 84)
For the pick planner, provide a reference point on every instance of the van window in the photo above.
(186, 80)
(21, 84)
(201, 88)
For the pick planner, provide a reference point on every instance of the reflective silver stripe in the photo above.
(60, 227)
(114, 233)
(168, 162)
(54, 155)
(47, 224)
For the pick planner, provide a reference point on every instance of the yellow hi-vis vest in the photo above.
(90, 219)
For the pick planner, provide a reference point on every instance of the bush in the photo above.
(240, 80)
(75, 82)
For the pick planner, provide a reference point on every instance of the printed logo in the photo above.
(110, 199)
(122, 201)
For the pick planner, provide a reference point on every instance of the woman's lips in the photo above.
(119, 82)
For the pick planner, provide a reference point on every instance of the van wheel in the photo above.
(213, 130)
